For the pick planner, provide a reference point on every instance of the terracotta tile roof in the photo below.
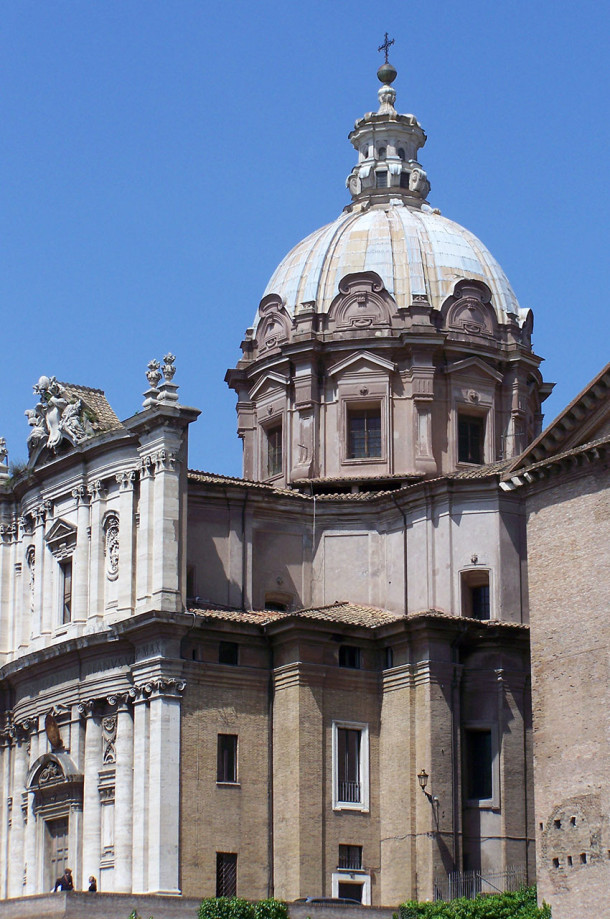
(348, 613)
(100, 413)
(555, 460)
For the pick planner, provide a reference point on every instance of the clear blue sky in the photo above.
(158, 159)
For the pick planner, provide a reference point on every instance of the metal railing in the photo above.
(470, 883)
(349, 792)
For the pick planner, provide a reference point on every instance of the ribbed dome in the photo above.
(414, 251)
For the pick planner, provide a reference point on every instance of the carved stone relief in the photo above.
(30, 558)
(111, 546)
(109, 739)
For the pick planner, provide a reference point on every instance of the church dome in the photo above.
(415, 251)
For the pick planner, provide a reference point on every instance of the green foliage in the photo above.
(236, 908)
(519, 905)
(225, 908)
(270, 909)
(134, 914)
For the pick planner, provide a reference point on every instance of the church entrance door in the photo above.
(56, 850)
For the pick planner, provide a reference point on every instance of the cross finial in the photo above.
(386, 46)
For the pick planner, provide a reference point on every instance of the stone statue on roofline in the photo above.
(55, 418)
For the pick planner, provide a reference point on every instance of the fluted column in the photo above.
(166, 547)
(145, 536)
(92, 846)
(164, 787)
(126, 541)
(41, 559)
(17, 830)
(80, 576)
(123, 796)
(31, 861)
(96, 566)
(139, 830)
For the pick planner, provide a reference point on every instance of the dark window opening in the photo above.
(471, 439)
(381, 180)
(382, 153)
(478, 765)
(226, 874)
(348, 765)
(476, 595)
(350, 656)
(364, 433)
(389, 658)
(226, 768)
(401, 154)
(350, 891)
(66, 590)
(404, 179)
(350, 857)
(228, 653)
(274, 450)
(190, 582)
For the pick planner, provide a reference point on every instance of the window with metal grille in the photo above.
(226, 768)
(381, 179)
(348, 765)
(364, 432)
(479, 763)
(350, 656)
(350, 857)
(66, 590)
(274, 450)
(226, 874)
(228, 653)
(471, 439)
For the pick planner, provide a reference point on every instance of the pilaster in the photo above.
(80, 576)
(123, 795)
(126, 481)
(91, 796)
(97, 494)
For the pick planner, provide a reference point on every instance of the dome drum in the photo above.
(389, 344)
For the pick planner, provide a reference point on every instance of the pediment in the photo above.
(361, 362)
(474, 365)
(61, 538)
(269, 382)
(585, 419)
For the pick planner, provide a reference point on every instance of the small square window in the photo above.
(479, 765)
(226, 764)
(364, 432)
(350, 656)
(228, 653)
(226, 874)
(350, 857)
(350, 891)
(471, 439)
(274, 450)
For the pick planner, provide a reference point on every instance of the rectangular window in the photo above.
(350, 858)
(381, 179)
(471, 439)
(404, 179)
(228, 653)
(226, 767)
(479, 765)
(350, 777)
(66, 590)
(350, 656)
(475, 594)
(349, 786)
(274, 450)
(349, 891)
(364, 432)
(226, 874)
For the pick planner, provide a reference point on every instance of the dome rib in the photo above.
(415, 252)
